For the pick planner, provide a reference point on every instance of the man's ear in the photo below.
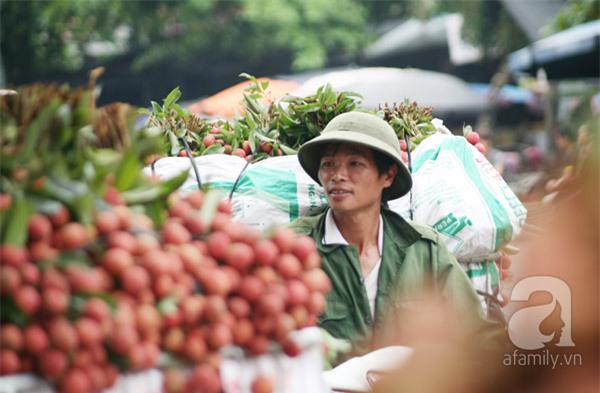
(390, 175)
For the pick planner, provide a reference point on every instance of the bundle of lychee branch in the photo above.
(275, 128)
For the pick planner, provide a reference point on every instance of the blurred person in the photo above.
(565, 312)
(493, 155)
(507, 163)
(442, 358)
(382, 268)
(583, 145)
(565, 141)
(578, 152)
(567, 249)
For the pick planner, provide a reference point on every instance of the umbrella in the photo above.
(571, 53)
(448, 95)
(227, 103)
(408, 41)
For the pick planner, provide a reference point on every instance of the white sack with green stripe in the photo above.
(275, 192)
(222, 168)
(458, 192)
(271, 192)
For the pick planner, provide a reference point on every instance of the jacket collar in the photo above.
(400, 231)
(395, 227)
(332, 234)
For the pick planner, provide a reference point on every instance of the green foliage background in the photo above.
(41, 36)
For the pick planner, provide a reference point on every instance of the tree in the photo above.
(574, 12)
(43, 36)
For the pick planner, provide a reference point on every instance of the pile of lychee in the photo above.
(83, 303)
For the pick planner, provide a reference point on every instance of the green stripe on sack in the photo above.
(278, 188)
(483, 269)
(478, 271)
(459, 146)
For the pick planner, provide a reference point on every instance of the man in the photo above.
(381, 266)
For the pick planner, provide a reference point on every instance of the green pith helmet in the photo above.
(363, 129)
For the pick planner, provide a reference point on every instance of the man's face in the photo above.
(351, 179)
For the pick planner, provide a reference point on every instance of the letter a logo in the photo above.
(524, 325)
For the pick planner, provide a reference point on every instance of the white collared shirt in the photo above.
(334, 236)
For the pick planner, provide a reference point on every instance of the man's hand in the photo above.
(333, 348)
(504, 262)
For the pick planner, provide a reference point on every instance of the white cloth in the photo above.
(334, 236)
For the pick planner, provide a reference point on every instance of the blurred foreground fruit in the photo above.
(122, 294)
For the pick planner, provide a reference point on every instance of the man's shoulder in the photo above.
(413, 229)
(425, 231)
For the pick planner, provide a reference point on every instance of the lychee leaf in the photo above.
(467, 130)
(167, 305)
(128, 172)
(11, 312)
(77, 302)
(82, 207)
(175, 146)
(105, 157)
(264, 138)
(37, 127)
(312, 107)
(121, 361)
(156, 211)
(156, 108)
(43, 205)
(150, 192)
(214, 149)
(172, 98)
(252, 141)
(210, 205)
(73, 258)
(287, 150)
(14, 224)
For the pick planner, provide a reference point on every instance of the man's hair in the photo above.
(384, 163)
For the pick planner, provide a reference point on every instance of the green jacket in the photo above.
(414, 260)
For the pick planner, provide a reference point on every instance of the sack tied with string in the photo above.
(459, 193)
